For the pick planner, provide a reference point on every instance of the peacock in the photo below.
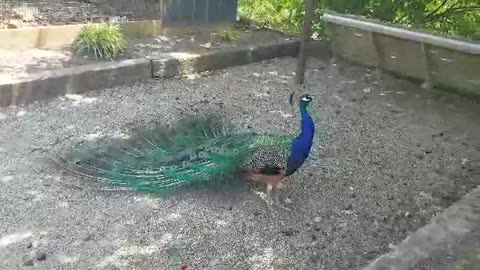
(199, 150)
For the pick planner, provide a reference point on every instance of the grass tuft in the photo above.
(103, 41)
(229, 35)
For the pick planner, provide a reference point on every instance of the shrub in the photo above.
(103, 41)
(229, 35)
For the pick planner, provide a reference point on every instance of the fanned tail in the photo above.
(197, 151)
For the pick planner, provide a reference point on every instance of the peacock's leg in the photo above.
(277, 201)
(267, 196)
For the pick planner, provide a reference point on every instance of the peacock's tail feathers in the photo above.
(196, 151)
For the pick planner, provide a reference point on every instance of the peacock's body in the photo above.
(197, 151)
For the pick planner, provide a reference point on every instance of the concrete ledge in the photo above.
(60, 36)
(321, 49)
(440, 62)
(63, 35)
(177, 64)
(73, 80)
(80, 79)
(450, 231)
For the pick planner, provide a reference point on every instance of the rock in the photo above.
(317, 219)
(349, 206)
(29, 245)
(87, 237)
(315, 258)
(288, 232)
(40, 256)
(27, 261)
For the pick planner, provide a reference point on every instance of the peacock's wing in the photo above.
(269, 151)
(195, 152)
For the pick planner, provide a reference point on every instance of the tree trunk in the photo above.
(307, 33)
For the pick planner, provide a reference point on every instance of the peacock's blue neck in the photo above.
(303, 110)
(307, 126)
(302, 144)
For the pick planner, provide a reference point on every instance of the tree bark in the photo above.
(307, 33)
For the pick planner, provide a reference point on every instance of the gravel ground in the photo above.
(398, 156)
(19, 64)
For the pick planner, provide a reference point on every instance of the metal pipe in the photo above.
(458, 45)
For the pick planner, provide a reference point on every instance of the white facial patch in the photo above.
(305, 99)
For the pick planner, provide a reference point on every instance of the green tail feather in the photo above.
(197, 151)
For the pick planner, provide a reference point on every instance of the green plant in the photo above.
(229, 35)
(454, 17)
(243, 22)
(471, 262)
(103, 41)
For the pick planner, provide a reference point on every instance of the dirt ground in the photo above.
(398, 156)
(31, 13)
(18, 64)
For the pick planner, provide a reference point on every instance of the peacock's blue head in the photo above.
(305, 100)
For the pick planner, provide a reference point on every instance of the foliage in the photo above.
(103, 41)
(229, 35)
(470, 263)
(454, 17)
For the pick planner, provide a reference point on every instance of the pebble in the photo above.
(27, 261)
(29, 245)
(288, 232)
(317, 219)
(87, 237)
(40, 256)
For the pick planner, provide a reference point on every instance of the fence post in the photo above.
(378, 55)
(428, 66)
(307, 29)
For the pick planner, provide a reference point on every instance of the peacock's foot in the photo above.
(279, 204)
(287, 200)
(264, 197)
(272, 200)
